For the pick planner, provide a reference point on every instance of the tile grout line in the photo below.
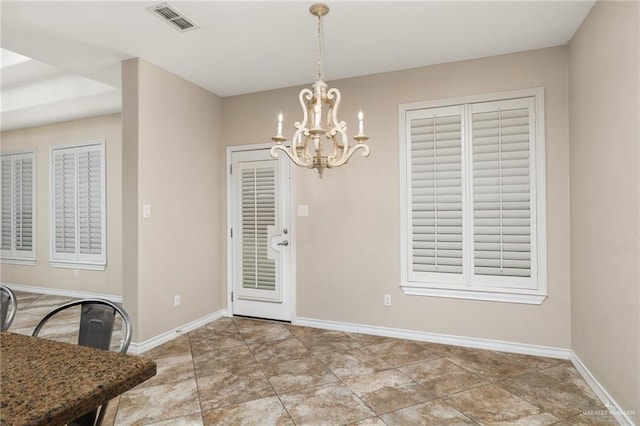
(195, 378)
(265, 374)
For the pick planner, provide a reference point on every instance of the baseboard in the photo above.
(469, 342)
(621, 415)
(65, 293)
(138, 348)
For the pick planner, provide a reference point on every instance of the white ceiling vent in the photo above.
(170, 15)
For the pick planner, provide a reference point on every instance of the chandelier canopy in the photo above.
(307, 145)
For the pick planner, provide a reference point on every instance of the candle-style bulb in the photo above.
(279, 132)
(360, 123)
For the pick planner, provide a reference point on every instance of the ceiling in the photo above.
(61, 60)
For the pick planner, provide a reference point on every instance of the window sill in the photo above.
(77, 265)
(484, 295)
(27, 262)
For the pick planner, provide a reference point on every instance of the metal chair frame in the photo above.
(102, 313)
(9, 307)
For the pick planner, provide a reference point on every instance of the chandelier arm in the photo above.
(304, 96)
(337, 127)
(302, 132)
(295, 159)
(348, 153)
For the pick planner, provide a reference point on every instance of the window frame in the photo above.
(465, 287)
(78, 260)
(14, 256)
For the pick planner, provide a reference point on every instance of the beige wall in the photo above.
(605, 198)
(172, 156)
(348, 247)
(109, 281)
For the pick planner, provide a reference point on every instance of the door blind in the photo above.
(258, 210)
(501, 190)
(436, 191)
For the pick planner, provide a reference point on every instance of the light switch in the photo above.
(303, 210)
(146, 210)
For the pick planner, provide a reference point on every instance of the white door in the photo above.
(261, 246)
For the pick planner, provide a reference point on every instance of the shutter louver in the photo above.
(65, 201)
(7, 197)
(258, 210)
(89, 202)
(23, 203)
(436, 192)
(501, 191)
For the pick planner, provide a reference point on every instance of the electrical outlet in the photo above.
(387, 300)
(176, 300)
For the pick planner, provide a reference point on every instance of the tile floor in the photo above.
(238, 371)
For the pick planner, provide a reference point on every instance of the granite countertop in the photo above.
(47, 382)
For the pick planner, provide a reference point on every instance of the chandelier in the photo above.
(307, 146)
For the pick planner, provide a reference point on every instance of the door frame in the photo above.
(292, 234)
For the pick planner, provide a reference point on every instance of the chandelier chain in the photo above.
(320, 74)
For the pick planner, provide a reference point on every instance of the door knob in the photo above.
(284, 243)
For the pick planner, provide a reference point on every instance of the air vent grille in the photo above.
(170, 15)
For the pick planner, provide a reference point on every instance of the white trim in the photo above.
(446, 339)
(292, 240)
(228, 231)
(230, 151)
(138, 348)
(66, 293)
(78, 260)
(541, 190)
(475, 294)
(621, 415)
(20, 151)
(101, 141)
(16, 257)
(248, 147)
(15, 261)
(483, 97)
(501, 289)
(292, 234)
(73, 264)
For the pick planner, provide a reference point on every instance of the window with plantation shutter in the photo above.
(78, 206)
(18, 207)
(473, 210)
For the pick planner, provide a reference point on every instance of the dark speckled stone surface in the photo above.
(47, 382)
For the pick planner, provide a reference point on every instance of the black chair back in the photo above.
(97, 319)
(96, 326)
